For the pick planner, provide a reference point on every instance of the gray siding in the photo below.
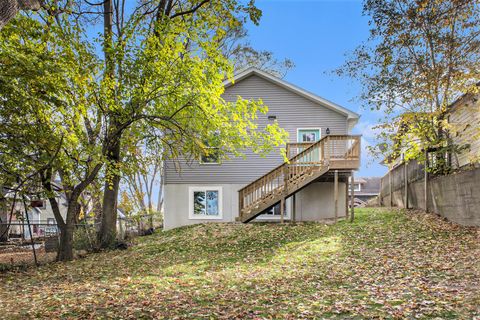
(292, 111)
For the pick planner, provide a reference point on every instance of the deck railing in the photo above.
(332, 152)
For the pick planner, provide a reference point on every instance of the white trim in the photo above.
(192, 216)
(319, 132)
(282, 83)
(355, 184)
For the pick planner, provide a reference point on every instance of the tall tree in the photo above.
(48, 125)
(160, 80)
(167, 85)
(420, 57)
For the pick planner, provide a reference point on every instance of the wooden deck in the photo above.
(307, 163)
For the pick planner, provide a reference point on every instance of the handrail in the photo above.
(304, 151)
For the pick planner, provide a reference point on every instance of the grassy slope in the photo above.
(386, 264)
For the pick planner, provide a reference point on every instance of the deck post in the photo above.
(347, 198)
(282, 209)
(352, 200)
(294, 209)
(285, 191)
(335, 193)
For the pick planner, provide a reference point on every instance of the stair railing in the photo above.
(308, 156)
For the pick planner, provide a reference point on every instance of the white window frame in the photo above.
(193, 216)
(355, 184)
(319, 133)
(219, 162)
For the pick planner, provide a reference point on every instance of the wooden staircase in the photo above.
(307, 163)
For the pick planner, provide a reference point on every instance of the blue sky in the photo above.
(316, 35)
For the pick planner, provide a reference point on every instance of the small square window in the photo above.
(212, 156)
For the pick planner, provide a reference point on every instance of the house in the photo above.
(312, 186)
(365, 189)
(40, 216)
(464, 122)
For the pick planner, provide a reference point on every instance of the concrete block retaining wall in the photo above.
(455, 196)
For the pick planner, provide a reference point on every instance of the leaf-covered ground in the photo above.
(388, 264)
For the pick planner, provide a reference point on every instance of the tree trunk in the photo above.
(65, 249)
(108, 227)
(9, 8)
(107, 233)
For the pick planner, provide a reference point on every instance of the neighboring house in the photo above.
(40, 215)
(46, 212)
(365, 189)
(212, 190)
(464, 120)
(464, 132)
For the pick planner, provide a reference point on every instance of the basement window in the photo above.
(273, 213)
(205, 202)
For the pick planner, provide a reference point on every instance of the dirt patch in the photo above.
(19, 258)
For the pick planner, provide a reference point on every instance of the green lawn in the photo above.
(388, 264)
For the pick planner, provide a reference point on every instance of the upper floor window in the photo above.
(357, 187)
(308, 134)
(212, 156)
(40, 204)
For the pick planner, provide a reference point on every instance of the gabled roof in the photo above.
(293, 88)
